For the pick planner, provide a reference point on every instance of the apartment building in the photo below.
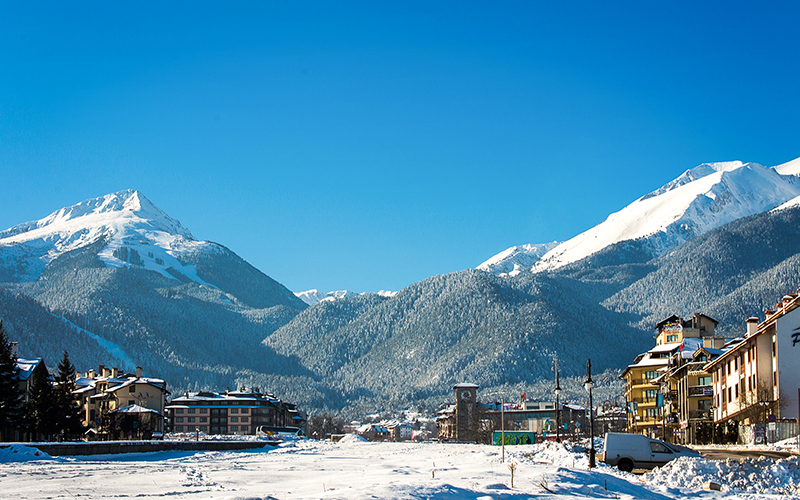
(656, 392)
(237, 412)
(758, 379)
(109, 397)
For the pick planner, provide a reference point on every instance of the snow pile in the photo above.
(763, 475)
(353, 438)
(21, 453)
(566, 454)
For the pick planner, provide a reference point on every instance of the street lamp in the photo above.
(502, 423)
(588, 385)
(503, 428)
(558, 406)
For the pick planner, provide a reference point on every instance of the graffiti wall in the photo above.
(513, 437)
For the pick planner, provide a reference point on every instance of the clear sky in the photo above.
(369, 145)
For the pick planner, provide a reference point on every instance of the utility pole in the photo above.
(558, 405)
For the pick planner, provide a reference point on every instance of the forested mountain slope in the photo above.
(730, 273)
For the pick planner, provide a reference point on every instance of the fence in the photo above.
(749, 434)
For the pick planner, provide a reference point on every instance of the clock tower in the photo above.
(466, 412)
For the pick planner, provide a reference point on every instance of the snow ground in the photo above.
(354, 469)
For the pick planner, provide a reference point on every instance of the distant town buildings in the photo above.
(532, 418)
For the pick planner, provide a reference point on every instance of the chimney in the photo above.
(138, 372)
(15, 349)
(101, 371)
(90, 374)
(752, 326)
(114, 372)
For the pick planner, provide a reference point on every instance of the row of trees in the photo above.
(48, 410)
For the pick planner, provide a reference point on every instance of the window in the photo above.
(659, 448)
(736, 392)
(234, 419)
(245, 410)
(203, 410)
(132, 388)
(203, 419)
(702, 358)
(244, 428)
(203, 428)
(179, 428)
(190, 410)
(729, 394)
(651, 393)
(131, 402)
(704, 381)
(178, 410)
(775, 379)
(651, 375)
(234, 410)
(190, 419)
(234, 428)
(652, 412)
(179, 419)
(672, 338)
(244, 419)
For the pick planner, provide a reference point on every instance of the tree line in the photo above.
(47, 410)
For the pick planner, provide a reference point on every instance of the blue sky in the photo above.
(369, 145)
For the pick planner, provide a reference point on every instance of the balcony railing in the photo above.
(701, 390)
(700, 415)
(641, 381)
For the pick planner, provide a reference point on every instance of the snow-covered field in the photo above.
(354, 469)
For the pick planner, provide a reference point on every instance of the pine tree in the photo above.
(11, 407)
(69, 414)
(41, 416)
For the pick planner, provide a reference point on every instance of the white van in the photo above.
(635, 451)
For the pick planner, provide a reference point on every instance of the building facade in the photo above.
(658, 381)
(758, 379)
(238, 412)
(104, 394)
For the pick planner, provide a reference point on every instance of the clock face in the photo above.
(465, 394)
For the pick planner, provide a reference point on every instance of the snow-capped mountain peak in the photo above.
(702, 198)
(137, 233)
(516, 259)
(314, 296)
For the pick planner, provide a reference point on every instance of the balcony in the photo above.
(700, 415)
(700, 391)
(640, 381)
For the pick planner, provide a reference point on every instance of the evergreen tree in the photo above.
(68, 412)
(11, 407)
(41, 417)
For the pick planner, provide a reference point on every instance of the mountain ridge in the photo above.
(702, 198)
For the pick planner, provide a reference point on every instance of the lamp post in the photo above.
(588, 385)
(503, 429)
(558, 407)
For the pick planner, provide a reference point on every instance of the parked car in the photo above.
(635, 451)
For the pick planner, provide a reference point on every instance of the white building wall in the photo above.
(788, 361)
